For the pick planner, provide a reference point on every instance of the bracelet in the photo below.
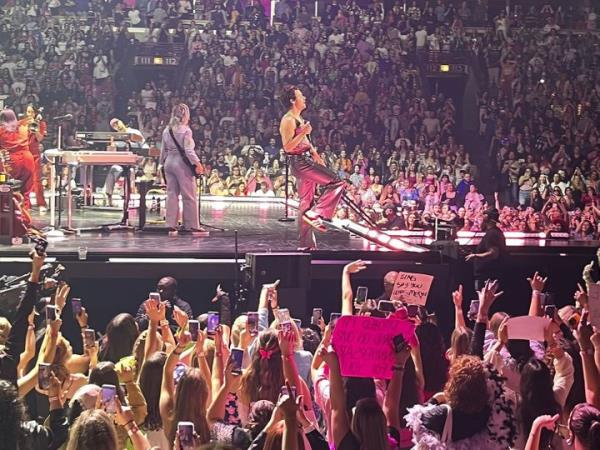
(587, 351)
(54, 399)
(164, 323)
(131, 421)
(398, 368)
(287, 357)
(536, 292)
(178, 353)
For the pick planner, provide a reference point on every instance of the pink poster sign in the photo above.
(364, 345)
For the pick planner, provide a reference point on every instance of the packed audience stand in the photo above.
(262, 381)
(373, 118)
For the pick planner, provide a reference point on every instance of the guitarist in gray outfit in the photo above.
(181, 166)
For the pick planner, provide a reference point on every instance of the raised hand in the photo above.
(82, 318)
(355, 266)
(581, 296)
(537, 283)
(287, 342)
(60, 297)
(180, 317)
(457, 296)
(155, 311)
(488, 295)
(585, 332)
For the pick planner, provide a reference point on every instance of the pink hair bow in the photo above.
(265, 354)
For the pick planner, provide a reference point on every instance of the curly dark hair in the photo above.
(466, 388)
(435, 365)
(12, 414)
(287, 96)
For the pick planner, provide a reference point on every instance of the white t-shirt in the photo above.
(421, 36)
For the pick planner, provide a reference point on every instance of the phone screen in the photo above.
(154, 296)
(283, 315)
(550, 311)
(298, 323)
(185, 430)
(109, 392)
(333, 318)
(253, 323)
(213, 322)
(286, 326)
(89, 337)
(194, 327)
(44, 376)
(284, 391)
(237, 357)
(50, 313)
(386, 306)
(76, 306)
(361, 294)
(412, 310)
(317, 315)
(473, 309)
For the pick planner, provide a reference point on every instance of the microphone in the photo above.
(65, 117)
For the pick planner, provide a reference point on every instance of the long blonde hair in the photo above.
(180, 115)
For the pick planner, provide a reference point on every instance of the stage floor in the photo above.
(257, 225)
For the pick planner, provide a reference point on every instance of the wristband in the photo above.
(164, 323)
(536, 292)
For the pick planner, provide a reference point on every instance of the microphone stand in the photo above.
(286, 217)
(200, 188)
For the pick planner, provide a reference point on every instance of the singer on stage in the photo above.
(37, 132)
(14, 138)
(309, 170)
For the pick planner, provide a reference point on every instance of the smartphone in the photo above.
(123, 387)
(386, 306)
(399, 343)
(186, 432)
(550, 311)
(253, 323)
(89, 337)
(317, 315)
(298, 323)
(237, 356)
(44, 373)
(194, 328)
(284, 391)
(412, 310)
(473, 309)
(546, 299)
(76, 306)
(51, 313)
(283, 315)
(213, 322)
(109, 392)
(361, 294)
(154, 296)
(333, 318)
(286, 326)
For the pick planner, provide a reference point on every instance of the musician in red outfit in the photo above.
(14, 138)
(37, 132)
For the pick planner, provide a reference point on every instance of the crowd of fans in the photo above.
(264, 380)
(375, 120)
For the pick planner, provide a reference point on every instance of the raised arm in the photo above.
(167, 390)
(394, 391)
(591, 377)
(537, 284)
(487, 296)
(216, 410)
(459, 316)
(347, 295)
(339, 418)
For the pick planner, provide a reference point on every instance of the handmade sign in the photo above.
(364, 345)
(594, 304)
(412, 288)
(527, 327)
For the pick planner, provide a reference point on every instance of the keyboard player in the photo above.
(136, 142)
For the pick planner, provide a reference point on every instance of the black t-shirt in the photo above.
(488, 267)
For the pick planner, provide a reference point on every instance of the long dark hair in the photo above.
(12, 415)
(435, 364)
(252, 388)
(121, 333)
(191, 403)
(150, 383)
(537, 396)
(105, 373)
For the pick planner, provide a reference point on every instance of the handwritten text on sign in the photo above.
(364, 345)
(412, 288)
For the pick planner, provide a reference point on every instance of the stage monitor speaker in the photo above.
(449, 249)
(293, 271)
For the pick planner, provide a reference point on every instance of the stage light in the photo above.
(158, 60)
(444, 68)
